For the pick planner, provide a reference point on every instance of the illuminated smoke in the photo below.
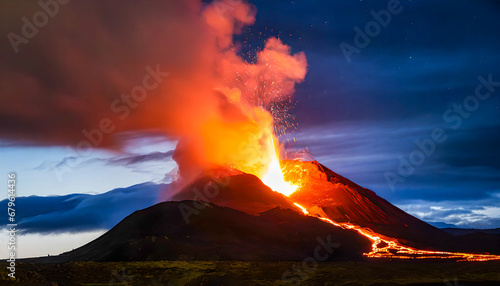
(83, 66)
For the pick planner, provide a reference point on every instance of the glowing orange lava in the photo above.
(386, 247)
(274, 178)
(382, 246)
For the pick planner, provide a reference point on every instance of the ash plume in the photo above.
(99, 69)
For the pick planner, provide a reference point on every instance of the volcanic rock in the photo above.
(241, 192)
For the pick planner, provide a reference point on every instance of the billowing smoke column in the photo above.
(98, 69)
(239, 131)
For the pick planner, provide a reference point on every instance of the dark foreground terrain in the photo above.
(255, 273)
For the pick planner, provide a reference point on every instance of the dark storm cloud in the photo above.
(462, 173)
(466, 166)
(363, 153)
(118, 64)
(81, 212)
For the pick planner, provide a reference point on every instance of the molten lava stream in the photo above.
(382, 246)
(393, 249)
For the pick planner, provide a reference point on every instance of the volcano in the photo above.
(237, 217)
(345, 201)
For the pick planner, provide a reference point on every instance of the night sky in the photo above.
(359, 115)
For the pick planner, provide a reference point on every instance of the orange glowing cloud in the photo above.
(163, 66)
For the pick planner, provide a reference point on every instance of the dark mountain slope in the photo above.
(345, 201)
(160, 232)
